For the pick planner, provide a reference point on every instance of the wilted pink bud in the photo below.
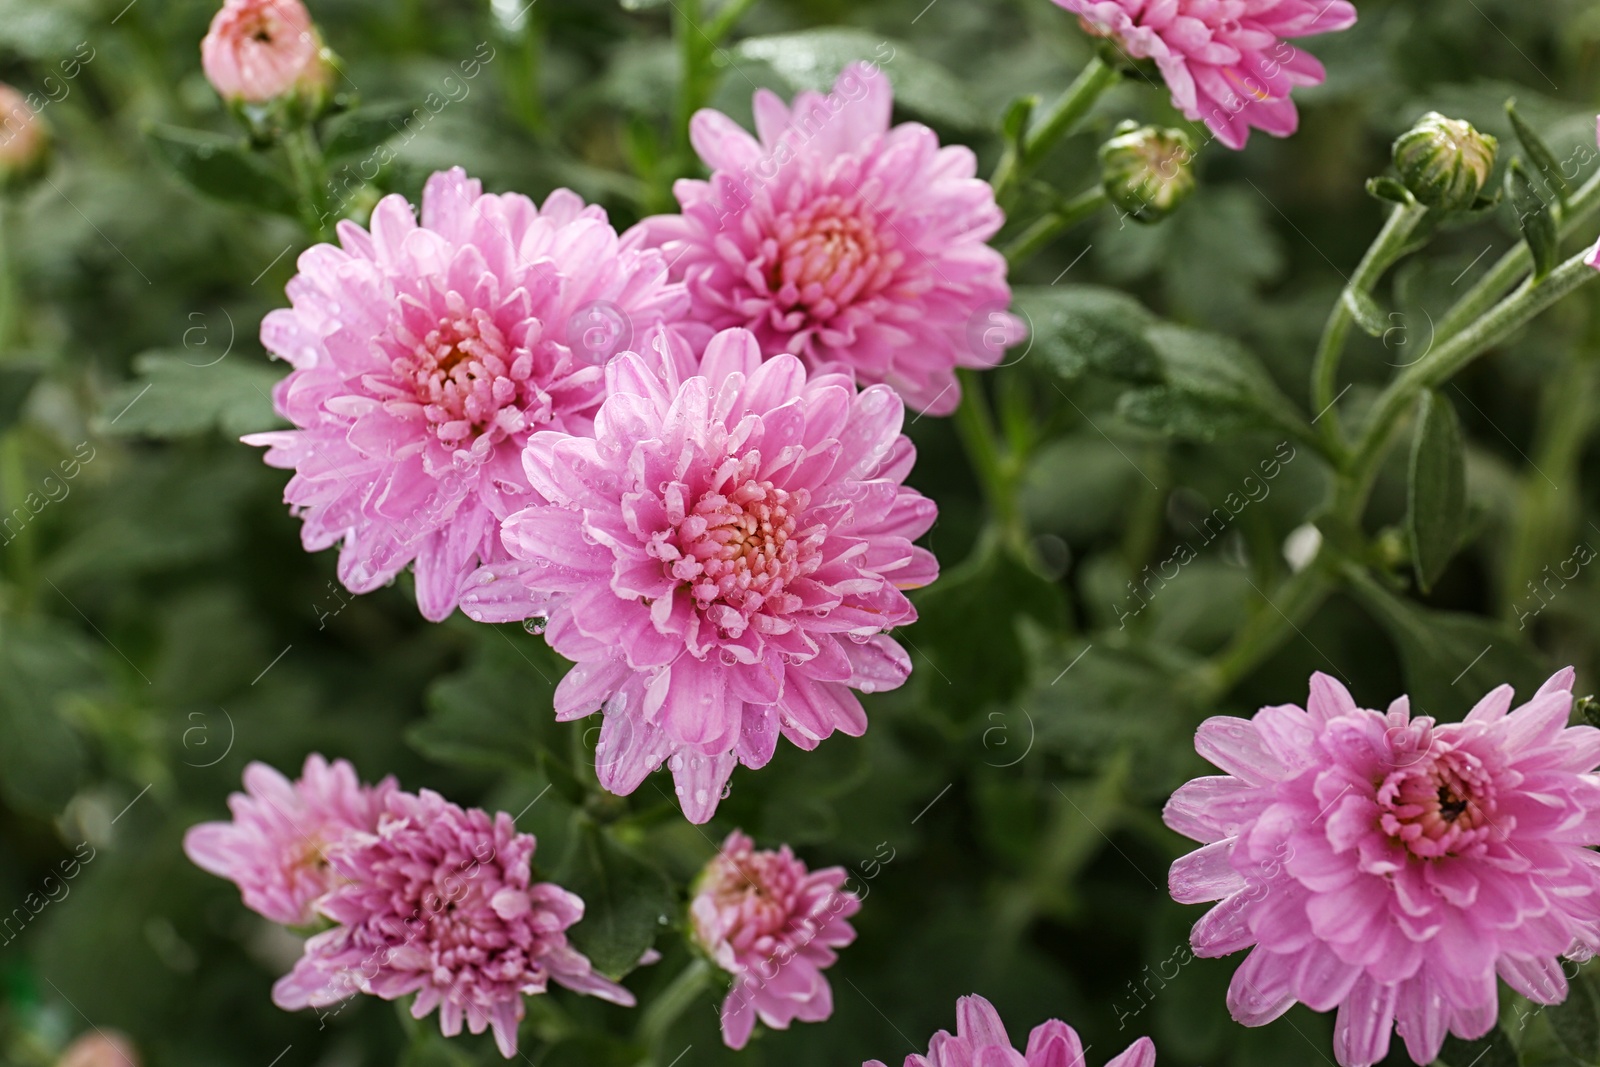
(264, 50)
(22, 135)
(101, 1048)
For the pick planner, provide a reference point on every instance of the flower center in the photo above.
(1441, 805)
(826, 255)
(753, 893)
(739, 550)
(467, 379)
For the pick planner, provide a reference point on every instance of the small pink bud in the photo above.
(263, 50)
(22, 135)
(100, 1048)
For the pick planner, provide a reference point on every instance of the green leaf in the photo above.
(641, 5)
(1214, 388)
(495, 714)
(812, 59)
(1015, 121)
(177, 395)
(1438, 489)
(1534, 218)
(222, 168)
(1494, 1049)
(1366, 311)
(1451, 659)
(362, 129)
(626, 901)
(1081, 329)
(1576, 1020)
(968, 629)
(1539, 153)
(1390, 190)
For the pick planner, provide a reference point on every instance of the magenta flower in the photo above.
(276, 848)
(1391, 866)
(259, 50)
(441, 902)
(773, 925)
(981, 1041)
(1227, 63)
(845, 242)
(723, 561)
(424, 359)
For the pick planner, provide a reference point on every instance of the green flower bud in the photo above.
(1148, 171)
(1444, 162)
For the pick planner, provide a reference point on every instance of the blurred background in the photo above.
(160, 625)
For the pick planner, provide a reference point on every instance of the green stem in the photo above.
(1442, 363)
(722, 25)
(524, 75)
(1051, 226)
(995, 468)
(1386, 248)
(1580, 207)
(1546, 516)
(692, 53)
(8, 280)
(310, 179)
(1061, 118)
(658, 1019)
(1293, 603)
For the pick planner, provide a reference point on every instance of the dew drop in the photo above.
(699, 796)
(535, 625)
(727, 789)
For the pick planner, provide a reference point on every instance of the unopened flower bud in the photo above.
(23, 141)
(1148, 171)
(99, 1049)
(1444, 162)
(265, 51)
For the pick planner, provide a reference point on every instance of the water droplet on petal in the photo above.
(535, 625)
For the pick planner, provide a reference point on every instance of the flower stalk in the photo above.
(1384, 252)
(1057, 122)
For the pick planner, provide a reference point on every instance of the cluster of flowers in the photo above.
(653, 445)
(420, 896)
(425, 897)
(677, 452)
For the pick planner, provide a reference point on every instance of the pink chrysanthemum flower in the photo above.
(773, 925)
(843, 241)
(1391, 866)
(981, 1041)
(1228, 63)
(426, 356)
(441, 902)
(723, 561)
(276, 848)
(259, 50)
